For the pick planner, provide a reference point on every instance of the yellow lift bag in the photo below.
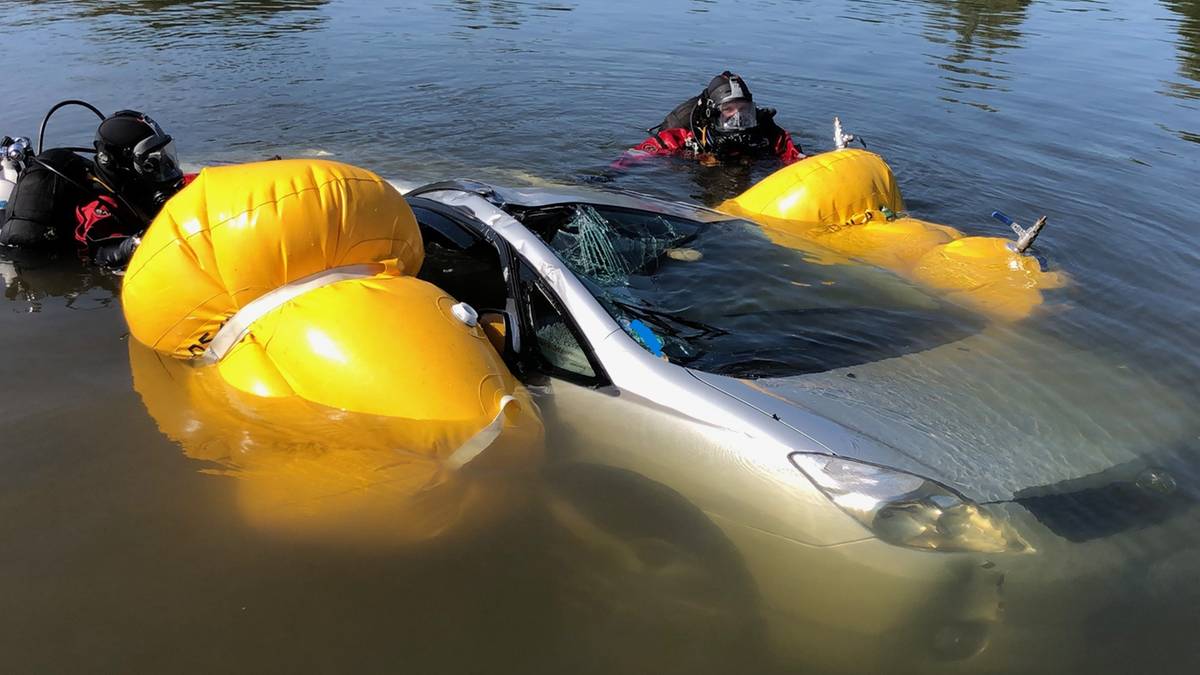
(237, 232)
(846, 202)
(282, 292)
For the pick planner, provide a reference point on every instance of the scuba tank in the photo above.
(14, 157)
(41, 189)
(41, 209)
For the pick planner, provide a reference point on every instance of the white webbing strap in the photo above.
(239, 324)
(482, 438)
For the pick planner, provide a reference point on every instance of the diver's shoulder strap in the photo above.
(681, 116)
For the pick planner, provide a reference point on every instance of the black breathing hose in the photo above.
(61, 104)
(41, 141)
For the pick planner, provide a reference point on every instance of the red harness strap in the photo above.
(95, 221)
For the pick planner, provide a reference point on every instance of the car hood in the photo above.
(998, 415)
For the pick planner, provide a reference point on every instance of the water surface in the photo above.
(120, 555)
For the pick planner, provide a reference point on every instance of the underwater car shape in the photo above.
(879, 490)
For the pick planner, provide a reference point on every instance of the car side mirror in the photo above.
(495, 327)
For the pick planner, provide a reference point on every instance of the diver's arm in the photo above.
(785, 149)
(666, 143)
(115, 253)
(110, 241)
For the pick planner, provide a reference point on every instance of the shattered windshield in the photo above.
(723, 297)
(608, 250)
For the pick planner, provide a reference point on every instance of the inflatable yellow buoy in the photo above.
(845, 202)
(370, 402)
(237, 232)
(832, 188)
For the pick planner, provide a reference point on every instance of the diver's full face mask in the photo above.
(155, 161)
(736, 115)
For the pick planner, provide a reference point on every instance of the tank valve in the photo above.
(15, 149)
(840, 138)
(1025, 236)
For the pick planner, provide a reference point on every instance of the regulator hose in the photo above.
(62, 104)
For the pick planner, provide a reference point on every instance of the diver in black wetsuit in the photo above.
(102, 206)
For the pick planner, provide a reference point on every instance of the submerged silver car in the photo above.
(904, 486)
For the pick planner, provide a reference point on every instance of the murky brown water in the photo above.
(118, 554)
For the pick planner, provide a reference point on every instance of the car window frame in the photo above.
(600, 377)
(480, 233)
(462, 229)
(518, 308)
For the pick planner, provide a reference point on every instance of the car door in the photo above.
(652, 547)
(587, 418)
(625, 479)
(458, 259)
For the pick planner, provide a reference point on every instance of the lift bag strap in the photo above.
(236, 327)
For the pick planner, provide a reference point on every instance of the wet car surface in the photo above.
(703, 401)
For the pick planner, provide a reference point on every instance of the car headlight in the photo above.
(906, 509)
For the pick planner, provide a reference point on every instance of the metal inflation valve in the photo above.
(842, 139)
(1025, 236)
(466, 314)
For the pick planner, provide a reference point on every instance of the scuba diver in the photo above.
(721, 124)
(109, 200)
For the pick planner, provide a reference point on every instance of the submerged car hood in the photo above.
(997, 415)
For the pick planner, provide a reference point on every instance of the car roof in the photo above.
(533, 197)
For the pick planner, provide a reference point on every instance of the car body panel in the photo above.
(971, 414)
(998, 413)
(996, 416)
(642, 383)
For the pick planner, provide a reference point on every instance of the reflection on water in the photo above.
(159, 21)
(478, 15)
(332, 476)
(1188, 26)
(164, 24)
(1189, 35)
(29, 279)
(639, 575)
(977, 32)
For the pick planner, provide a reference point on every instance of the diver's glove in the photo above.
(117, 254)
